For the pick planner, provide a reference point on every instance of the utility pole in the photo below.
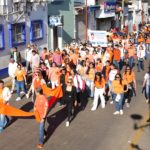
(122, 15)
(86, 21)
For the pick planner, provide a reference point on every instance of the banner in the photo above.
(98, 38)
(109, 6)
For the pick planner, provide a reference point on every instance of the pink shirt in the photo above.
(57, 58)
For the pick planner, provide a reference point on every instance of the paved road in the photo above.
(99, 130)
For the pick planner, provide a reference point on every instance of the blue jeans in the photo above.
(90, 87)
(140, 65)
(41, 133)
(3, 122)
(131, 62)
(119, 105)
(148, 92)
(148, 48)
(20, 84)
(116, 63)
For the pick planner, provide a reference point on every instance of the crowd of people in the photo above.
(100, 73)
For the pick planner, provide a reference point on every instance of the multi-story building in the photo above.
(21, 22)
(61, 24)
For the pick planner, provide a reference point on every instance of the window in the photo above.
(1, 37)
(37, 30)
(17, 34)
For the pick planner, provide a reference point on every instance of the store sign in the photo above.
(55, 21)
(98, 38)
(109, 6)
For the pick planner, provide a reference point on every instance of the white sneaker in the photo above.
(22, 92)
(12, 92)
(27, 96)
(103, 107)
(92, 109)
(121, 112)
(127, 105)
(67, 124)
(116, 113)
(111, 102)
(18, 99)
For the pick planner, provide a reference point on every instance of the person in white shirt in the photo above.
(35, 60)
(5, 95)
(146, 85)
(28, 55)
(141, 53)
(12, 67)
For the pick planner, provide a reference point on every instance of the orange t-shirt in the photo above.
(131, 51)
(41, 103)
(117, 87)
(54, 74)
(140, 39)
(37, 83)
(117, 54)
(148, 40)
(91, 74)
(1, 96)
(20, 75)
(129, 77)
(100, 84)
(99, 67)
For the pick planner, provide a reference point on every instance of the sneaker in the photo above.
(40, 146)
(147, 101)
(111, 102)
(67, 124)
(121, 112)
(92, 109)
(127, 105)
(18, 99)
(27, 96)
(12, 92)
(116, 113)
(22, 92)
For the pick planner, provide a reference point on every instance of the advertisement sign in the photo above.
(55, 20)
(98, 38)
(109, 6)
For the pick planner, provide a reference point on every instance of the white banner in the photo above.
(98, 38)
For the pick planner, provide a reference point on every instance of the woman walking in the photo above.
(70, 98)
(117, 88)
(99, 83)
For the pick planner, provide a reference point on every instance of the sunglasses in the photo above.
(69, 82)
(117, 77)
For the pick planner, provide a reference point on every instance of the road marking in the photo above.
(138, 133)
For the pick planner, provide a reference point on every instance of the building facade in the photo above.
(61, 27)
(21, 23)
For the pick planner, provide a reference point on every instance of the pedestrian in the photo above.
(15, 54)
(146, 85)
(129, 77)
(117, 88)
(70, 98)
(5, 95)
(99, 91)
(28, 55)
(12, 67)
(41, 107)
(21, 81)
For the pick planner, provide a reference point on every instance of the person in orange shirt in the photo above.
(99, 65)
(41, 107)
(129, 77)
(54, 75)
(117, 56)
(117, 88)
(140, 38)
(37, 82)
(44, 53)
(131, 55)
(20, 81)
(99, 91)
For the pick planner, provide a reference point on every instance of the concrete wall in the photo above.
(39, 12)
(65, 9)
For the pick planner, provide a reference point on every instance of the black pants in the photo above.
(129, 95)
(69, 107)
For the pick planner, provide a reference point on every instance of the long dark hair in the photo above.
(126, 70)
(88, 69)
(118, 74)
(100, 75)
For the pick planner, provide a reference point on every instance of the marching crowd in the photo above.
(100, 73)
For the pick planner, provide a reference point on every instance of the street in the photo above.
(99, 130)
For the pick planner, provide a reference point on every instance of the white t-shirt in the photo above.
(147, 78)
(112, 74)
